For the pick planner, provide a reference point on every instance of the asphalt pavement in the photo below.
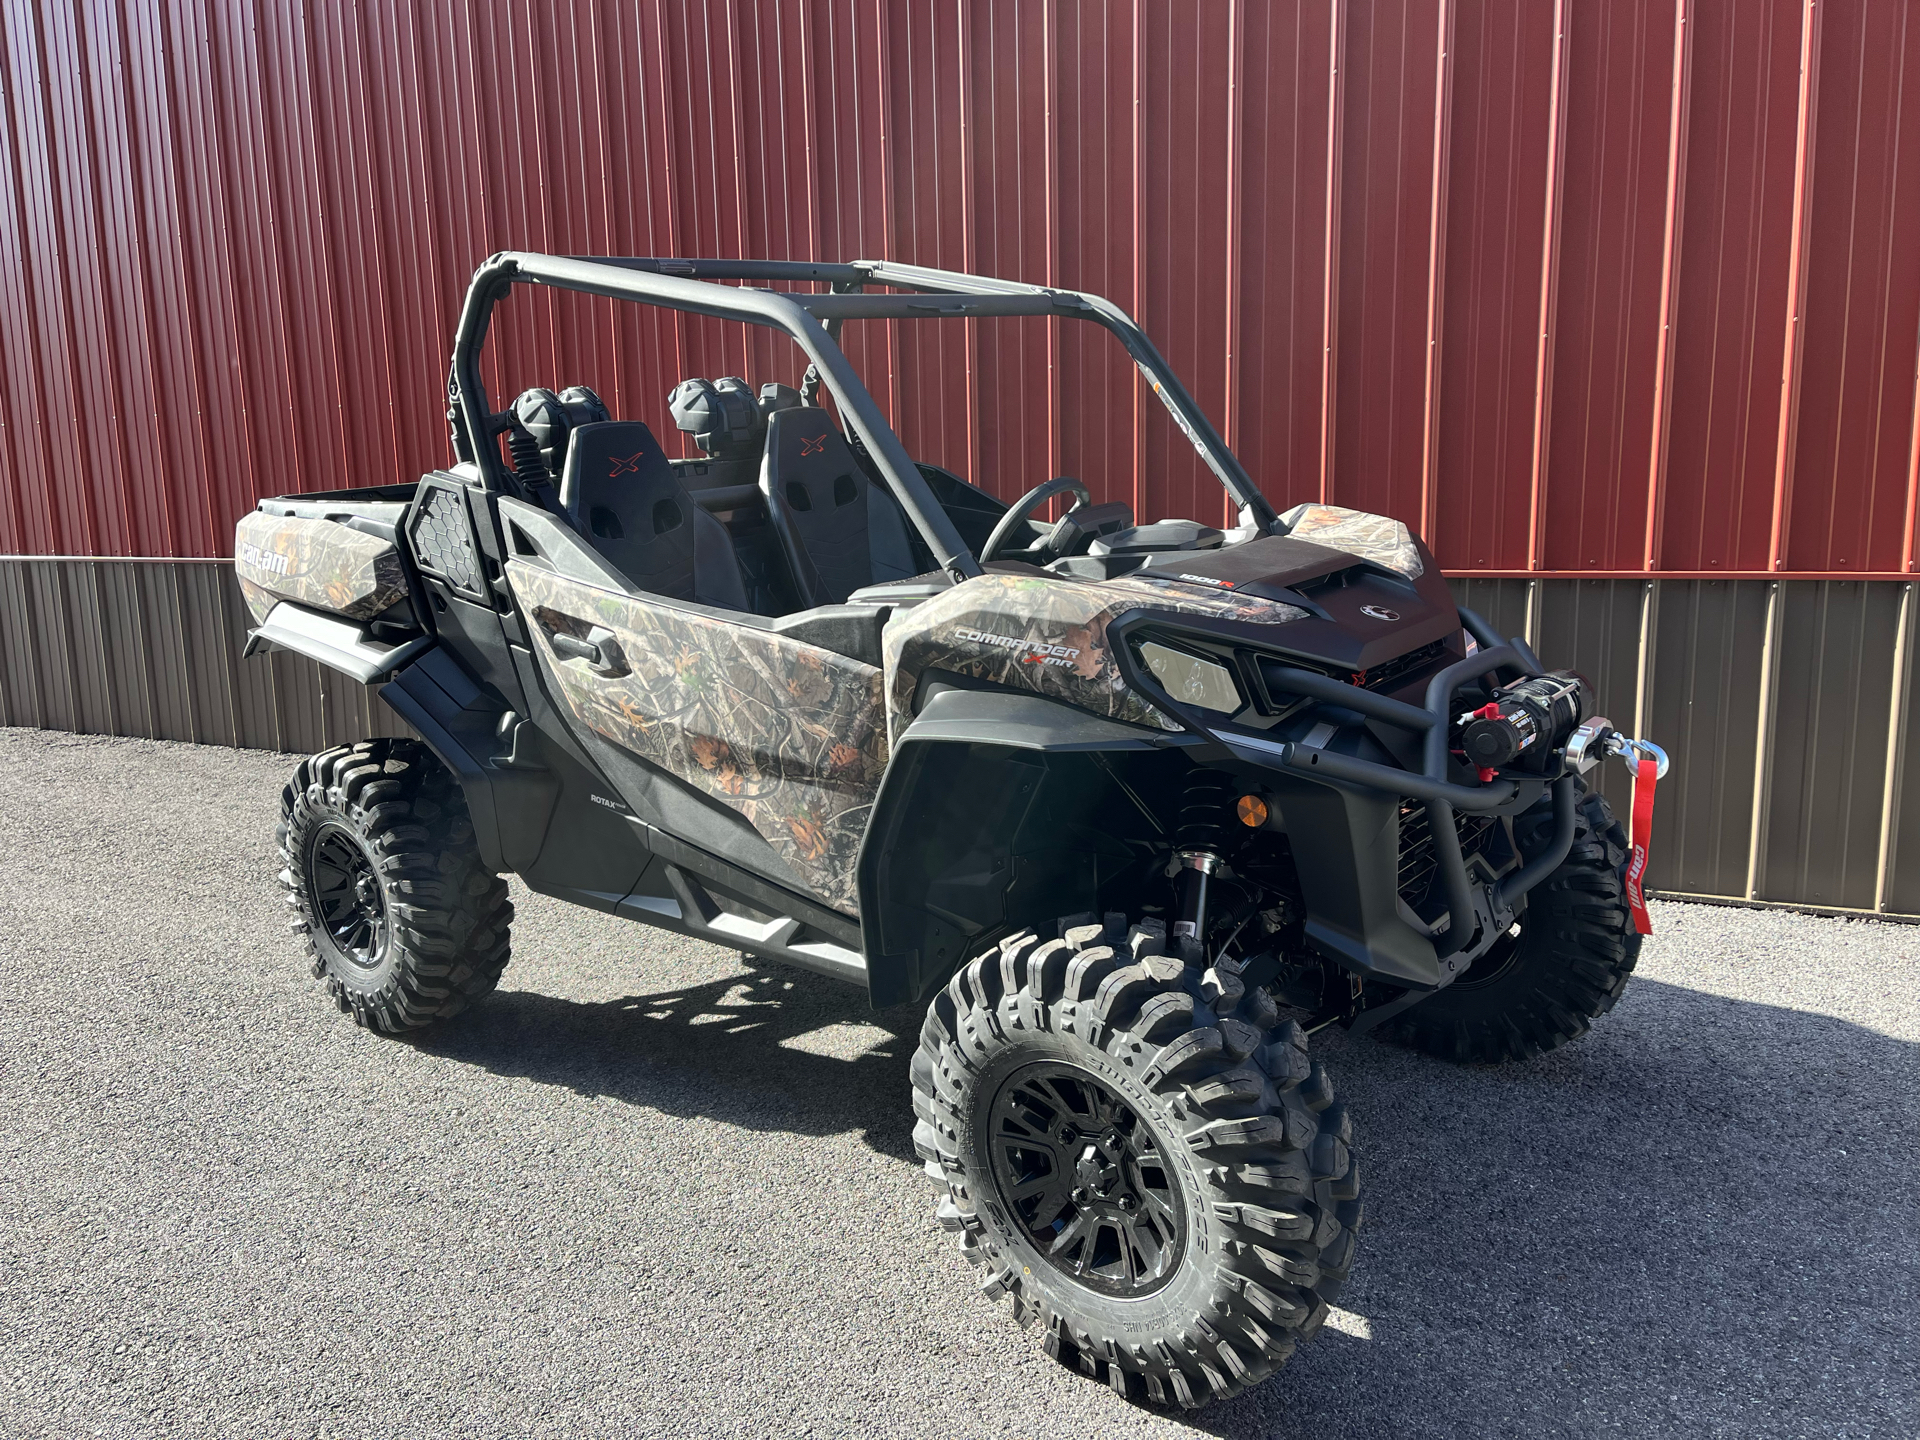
(652, 1189)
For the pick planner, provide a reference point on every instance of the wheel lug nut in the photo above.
(1126, 1202)
(1081, 1195)
(1068, 1135)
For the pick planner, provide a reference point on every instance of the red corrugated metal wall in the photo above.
(1597, 286)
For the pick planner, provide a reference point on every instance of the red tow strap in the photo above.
(1644, 777)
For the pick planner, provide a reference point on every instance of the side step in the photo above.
(696, 910)
(674, 896)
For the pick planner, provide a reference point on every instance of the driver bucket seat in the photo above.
(840, 531)
(621, 493)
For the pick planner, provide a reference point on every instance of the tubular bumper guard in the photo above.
(1431, 785)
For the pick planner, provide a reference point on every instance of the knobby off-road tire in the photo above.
(1576, 948)
(1245, 1194)
(401, 919)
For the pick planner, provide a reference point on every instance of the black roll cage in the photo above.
(813, 321)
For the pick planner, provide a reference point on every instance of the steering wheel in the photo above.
(1022, 509)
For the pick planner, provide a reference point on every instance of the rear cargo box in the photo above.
(321, 564)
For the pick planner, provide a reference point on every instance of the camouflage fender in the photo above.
(1047, 634)
(318, 563)
(789, 735)
(1372, 537)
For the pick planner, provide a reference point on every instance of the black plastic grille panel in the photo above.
(443, 540)
(1387, 671)
(1419, 866)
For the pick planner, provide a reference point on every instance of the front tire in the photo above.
(401, 918)
(1139, 1155)
(1569, 963)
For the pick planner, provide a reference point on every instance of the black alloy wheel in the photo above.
(1088, 1179)
(344, 890)
(401, 917)
(1137, 1152)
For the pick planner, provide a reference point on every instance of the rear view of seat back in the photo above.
(621, 493)
(840, 531)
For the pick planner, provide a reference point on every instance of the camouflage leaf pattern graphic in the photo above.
(789, 735)
(1047, 634)
(319, 563)
(1372, 537)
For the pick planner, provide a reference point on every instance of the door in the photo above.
(789, 737)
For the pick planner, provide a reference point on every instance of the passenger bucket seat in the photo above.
(623, 496)
(840, 531)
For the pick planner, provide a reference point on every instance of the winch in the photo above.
(1525, 723)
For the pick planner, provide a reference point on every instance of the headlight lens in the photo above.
(1189, 678)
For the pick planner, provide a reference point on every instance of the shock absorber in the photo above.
(529, 465)
(1198, 843)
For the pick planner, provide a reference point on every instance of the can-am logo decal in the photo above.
(256, 558)
(1379, 612)
(1032, 652)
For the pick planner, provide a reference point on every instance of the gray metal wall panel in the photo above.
(1501, 603)
(1593, 626)
(210, 654)
(253, 682)
(160, 592)
(125, 642)
(152, 648)
(1827, 760)
(22, 696)
(49, 642)
(1903, 878)
(1707, 638)
(85, 628)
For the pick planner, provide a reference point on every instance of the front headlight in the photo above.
(1192, 679)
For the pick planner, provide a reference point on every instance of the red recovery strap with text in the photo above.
(1644, 776)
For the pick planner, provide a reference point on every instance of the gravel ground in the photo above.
(648, 1189)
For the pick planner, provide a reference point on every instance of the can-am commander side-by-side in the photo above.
(1132, 808)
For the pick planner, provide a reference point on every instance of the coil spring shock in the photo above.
(1204, 807)
(1198, 841)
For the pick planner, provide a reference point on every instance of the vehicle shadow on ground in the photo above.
(718, 1049)
(1699, 1218)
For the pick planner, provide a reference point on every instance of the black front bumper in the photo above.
(1348, 810)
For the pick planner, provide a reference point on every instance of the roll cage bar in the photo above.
(813, 321)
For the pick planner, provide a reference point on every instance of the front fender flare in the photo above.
(999, 741)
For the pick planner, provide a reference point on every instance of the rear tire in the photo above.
(1139, 1155)
(401, 918)
(1569, 964)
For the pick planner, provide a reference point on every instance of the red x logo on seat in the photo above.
(817, 445)
(631, 462)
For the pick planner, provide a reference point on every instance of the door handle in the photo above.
(598, 648)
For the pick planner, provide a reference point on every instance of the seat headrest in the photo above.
(805, 446)
(617, 478)
(612, 450)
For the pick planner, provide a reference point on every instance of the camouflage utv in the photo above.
(1132, 809)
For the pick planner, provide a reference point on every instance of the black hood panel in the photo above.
(1360, 614)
